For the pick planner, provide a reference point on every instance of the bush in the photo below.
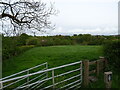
(32, 41)
(22, 39)
(24, 48)
(111, 52)
(10, 48)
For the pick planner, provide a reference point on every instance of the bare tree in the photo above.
(26, 15)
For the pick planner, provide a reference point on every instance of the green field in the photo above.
(54, 55)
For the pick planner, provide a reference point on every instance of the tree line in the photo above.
(15, 45)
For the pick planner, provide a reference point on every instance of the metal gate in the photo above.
(40, 77)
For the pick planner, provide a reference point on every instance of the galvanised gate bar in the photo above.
(40, 77)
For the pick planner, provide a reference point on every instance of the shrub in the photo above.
(111, 52)
(24, 48)
(10, 48)
(45, 42)
(22, 39)
(32, 41)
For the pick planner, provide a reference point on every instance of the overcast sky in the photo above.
(96, 17)
(85, 17)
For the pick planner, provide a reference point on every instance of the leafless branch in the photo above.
(27, 15)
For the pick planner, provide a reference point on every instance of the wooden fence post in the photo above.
(98, 67)
(108, 79)
(86, 72)
(101, 64)
(104, 61)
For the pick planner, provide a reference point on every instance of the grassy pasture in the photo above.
(54, 55)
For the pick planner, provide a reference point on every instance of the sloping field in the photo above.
(54, 55)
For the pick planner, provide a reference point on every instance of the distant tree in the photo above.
(24, 15)
(74, 34)
(22, 39)
(80, 35)
(32, 41)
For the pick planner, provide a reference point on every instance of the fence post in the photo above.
(101, 64)
(1, 85)
(108, 79)
(81, 71)
(104, 61)
(98, 67)
(53, 79)
(105, 64)
(46, 69)
(86, 72)
(28, 78)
